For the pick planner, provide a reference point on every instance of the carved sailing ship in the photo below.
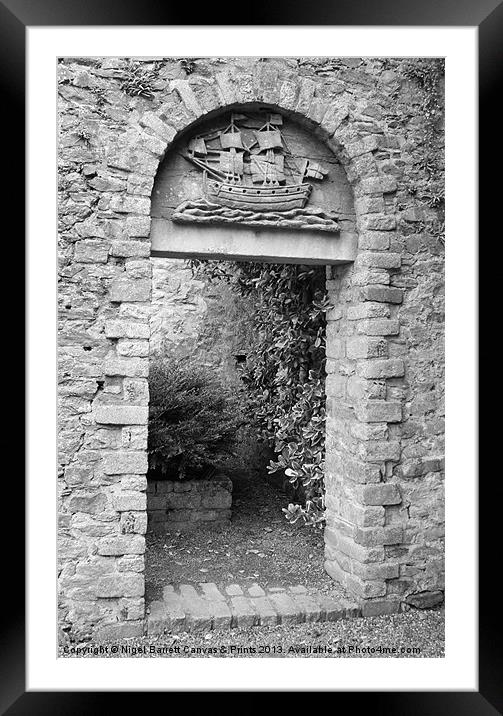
(262, 176)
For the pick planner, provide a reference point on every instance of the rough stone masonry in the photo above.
(384, 475)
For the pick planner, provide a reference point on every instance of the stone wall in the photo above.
(197, 319)
(182, 505)
(384, 538)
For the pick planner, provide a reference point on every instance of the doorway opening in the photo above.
(243, 345)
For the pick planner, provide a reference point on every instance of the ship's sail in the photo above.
(314, 170)
(197, 145)
(247, 152)
(267, 168)
(230, 140)
(269, 139)
(231, 163)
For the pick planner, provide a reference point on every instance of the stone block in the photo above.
(121, 545)
(308, 609)
(163, 617)
(133, 348)
(130, 290)
(125, 462)
(118, 414)
(243, 613)
(379, 259)
(265, 611)
(374, 240)
(379, 450)
(131, 563)
(221, 615)
(365, 589)
(285, 607)
(234, 590)
(381, 294)
(377, 572)
(123, 584)
(358, 552)
(382, 494)
(92, 503)
(255, 591)
(120, 630)
(211, 591)
(377, 411)
(129, 501)
(425, 600)
(386, 368)
(116, 328)
(133, 523)
(132, 609)
(377, 222)
(91, 251)
(197, 610)
(378, 607)
(127, 367)
(358, 347)
(379, 327)
(375, 536)
(138, 226)
(129, 249)
(125, 204)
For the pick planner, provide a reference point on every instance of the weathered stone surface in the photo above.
(197, 610)
(117, 414)
(123, 584)
(266, 614)
(119, 463)
(188, 503)
(125, 501)
(377, 454)
(121, 630)
(384, 494)
(376, 411)
(126, 329)
(127, 367)
(285, 608)
(243, 612)
(121, 545)
(425, 600)
(124, 289)
(388, 368)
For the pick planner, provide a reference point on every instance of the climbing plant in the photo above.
(285, 369)
(428, 78)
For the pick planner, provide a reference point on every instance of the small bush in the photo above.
(193, 420)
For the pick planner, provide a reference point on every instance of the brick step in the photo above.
(199, 608)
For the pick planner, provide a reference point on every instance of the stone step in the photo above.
(201, 607)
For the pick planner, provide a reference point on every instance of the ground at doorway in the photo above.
(412, 634)
(258, 545)
(202, 607)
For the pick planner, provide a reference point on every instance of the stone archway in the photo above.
(104, 489)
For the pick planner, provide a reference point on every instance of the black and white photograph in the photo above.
(251, 262)
(251, 356)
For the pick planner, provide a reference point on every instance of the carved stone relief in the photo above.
(250, 174)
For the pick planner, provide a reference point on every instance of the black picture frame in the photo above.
(487, 15)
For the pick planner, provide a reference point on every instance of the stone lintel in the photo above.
(243, 243)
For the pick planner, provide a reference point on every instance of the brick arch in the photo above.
(357, 496)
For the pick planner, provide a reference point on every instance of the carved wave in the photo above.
(205, 212)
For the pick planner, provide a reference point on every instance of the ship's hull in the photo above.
(261, 198)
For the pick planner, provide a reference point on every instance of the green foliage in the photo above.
(193, 420)
(284, 372)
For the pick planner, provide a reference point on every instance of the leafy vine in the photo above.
(285, 371)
